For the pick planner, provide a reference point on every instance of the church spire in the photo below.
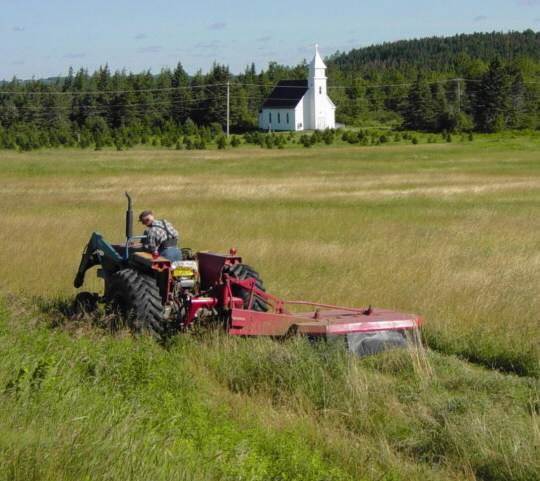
(317, 61)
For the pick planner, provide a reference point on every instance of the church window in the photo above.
(270, 117)
(278, 118)
(287, 117)
(320, 90)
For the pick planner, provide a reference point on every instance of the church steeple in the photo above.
(319, 108)
(317, 68)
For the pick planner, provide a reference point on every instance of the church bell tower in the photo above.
(317, 89)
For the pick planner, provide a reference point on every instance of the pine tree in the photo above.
(419, 113)
(492, 98)
(180, 97)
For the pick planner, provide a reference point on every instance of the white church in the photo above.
(300, 104)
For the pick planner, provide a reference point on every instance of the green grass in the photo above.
(88, 405)
(448, 231)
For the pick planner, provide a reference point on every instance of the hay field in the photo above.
(449, 231)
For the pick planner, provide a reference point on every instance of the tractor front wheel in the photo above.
(85, 303)
(135, 298)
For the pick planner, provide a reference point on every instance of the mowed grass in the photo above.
(448, 231)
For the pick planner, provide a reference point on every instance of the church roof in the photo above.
(286, 94)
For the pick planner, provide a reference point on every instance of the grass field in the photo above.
(449, 231)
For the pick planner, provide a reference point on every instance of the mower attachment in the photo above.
(327, 322)
(366, 330)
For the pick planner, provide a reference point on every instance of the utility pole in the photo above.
(228, 109)
(458, 80)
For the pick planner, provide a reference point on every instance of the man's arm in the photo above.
(150, 242)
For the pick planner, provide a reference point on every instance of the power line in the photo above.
(101, 110)
(102, 92)
(367, 86)
(108, 105)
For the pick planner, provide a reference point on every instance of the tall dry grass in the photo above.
(446, 231)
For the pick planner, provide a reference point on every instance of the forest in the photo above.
(483, 82)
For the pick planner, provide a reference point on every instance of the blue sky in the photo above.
(43, 38)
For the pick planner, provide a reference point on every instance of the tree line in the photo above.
(397, 84)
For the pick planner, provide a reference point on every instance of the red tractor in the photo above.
(155, 295)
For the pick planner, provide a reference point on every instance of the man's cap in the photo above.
(144, 214)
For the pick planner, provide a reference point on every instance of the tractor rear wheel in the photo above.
(136, 299)
(243, 272)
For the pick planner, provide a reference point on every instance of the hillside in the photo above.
(440, 54)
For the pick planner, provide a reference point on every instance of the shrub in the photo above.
(328, 136)
(269, 141)
(316, 137)
(235, 141)
(222, 142)
(352, 137)
(215, 129)
(201, 144)
(305, 140)
(190, 128)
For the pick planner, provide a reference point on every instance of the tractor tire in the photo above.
(136, 299)
(242, 272)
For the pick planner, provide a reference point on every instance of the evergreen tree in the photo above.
(492, 103)
(180, 97)
(419, 113)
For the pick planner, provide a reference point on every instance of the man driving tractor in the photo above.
(161, 236)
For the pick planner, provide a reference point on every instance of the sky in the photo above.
(43, 38)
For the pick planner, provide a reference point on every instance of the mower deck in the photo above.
(321, 322)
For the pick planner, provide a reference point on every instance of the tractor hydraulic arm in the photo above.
(95, 253)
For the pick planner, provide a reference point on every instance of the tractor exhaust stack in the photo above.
(129, 219)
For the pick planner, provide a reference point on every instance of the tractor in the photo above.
(151, 294)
